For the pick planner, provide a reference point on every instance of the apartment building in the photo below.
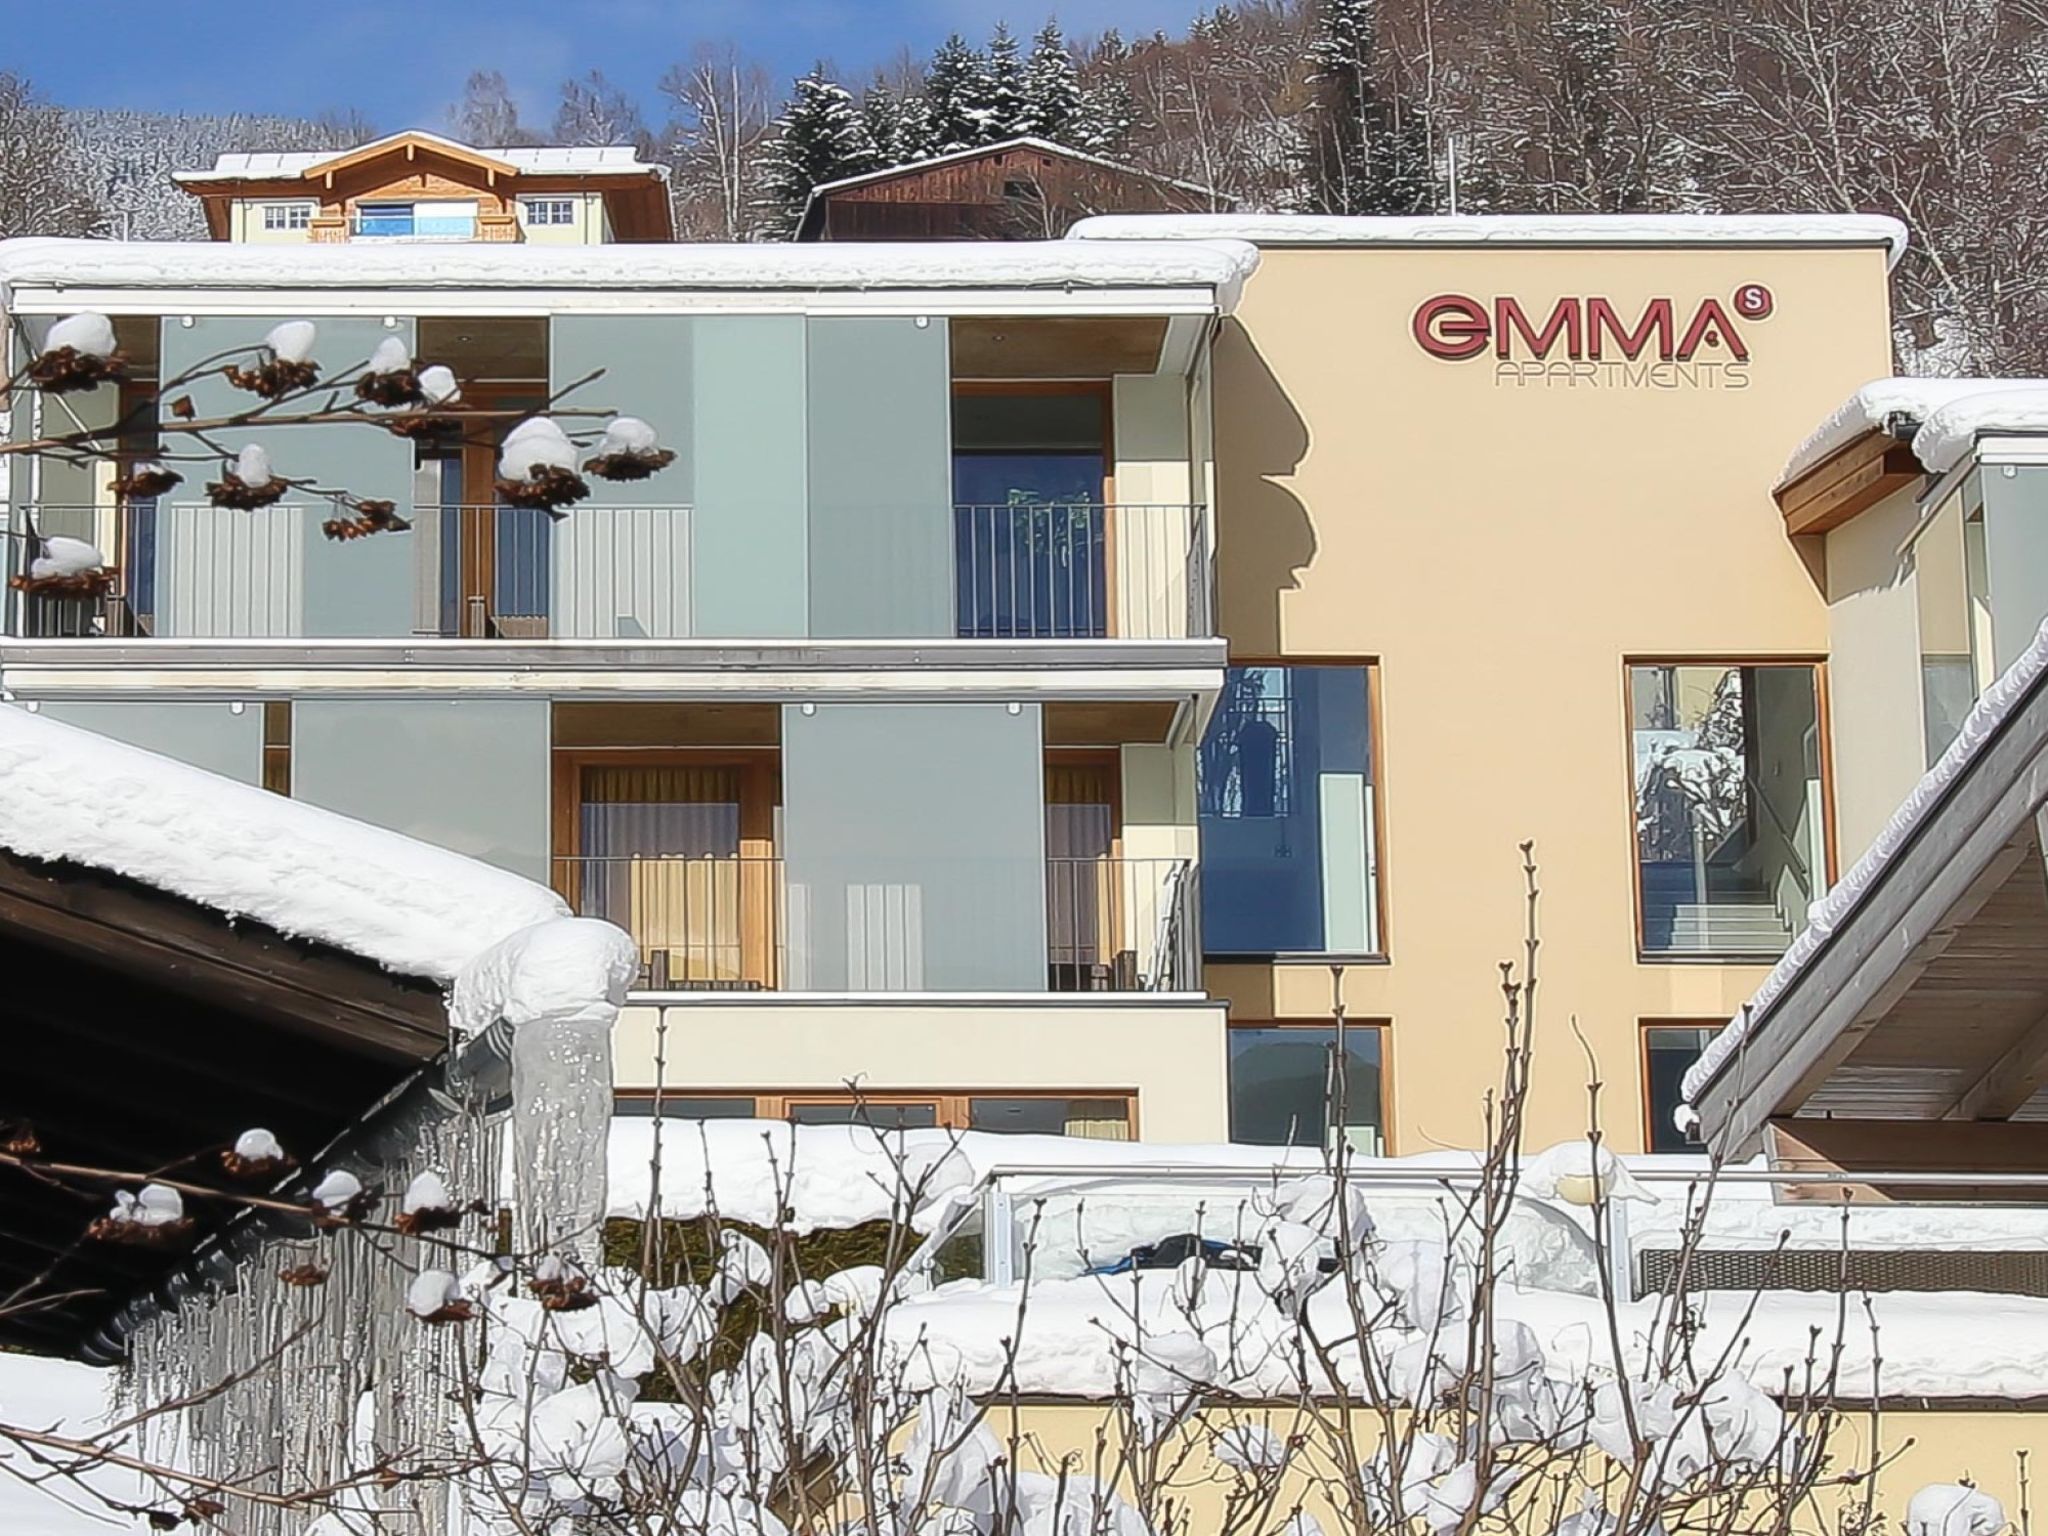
(417, 186)
(1052, 673)
(872, 717)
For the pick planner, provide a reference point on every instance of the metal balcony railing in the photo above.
(738, 923)
(189, 569)
(1081, 570)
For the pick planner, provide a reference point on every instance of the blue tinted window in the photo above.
(1286, 804)
(1283, 1089)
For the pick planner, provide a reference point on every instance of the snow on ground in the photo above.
(63, 1398)
(1505, 229)
(1982, 723)
(1220, 264)
(67, 793)
(1950, 414)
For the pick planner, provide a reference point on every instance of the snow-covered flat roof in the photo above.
(1614, 229)
(544, 159)
(419, 910)
(1949, 415)
(1219, 266)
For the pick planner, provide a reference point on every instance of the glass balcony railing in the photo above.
(191, 570)
(412, 226)
(746, 923)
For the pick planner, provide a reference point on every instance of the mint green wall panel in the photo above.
(914, 848)
(879, 412)
(621, 561)
(749, 524)
(210, 735)
(471, 774)
(271, 572)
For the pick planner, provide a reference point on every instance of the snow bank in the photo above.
(1506, 229)
(1834, 909)
(1221, 265)
(1950, 414)
(416, 909)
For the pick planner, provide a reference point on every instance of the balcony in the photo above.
(742, 924)
(189, 570)
(402, 223)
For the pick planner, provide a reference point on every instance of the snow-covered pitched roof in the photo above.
(1605, 229)
(1022, 141)
(1948, 416)
(1219, 265)
(69, 794)
(544, 159)
(1842, 901)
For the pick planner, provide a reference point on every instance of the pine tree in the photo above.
(883, 120)
(1052, 89)
(1583, 115)
(1005, 101)
(820, 137)
(1107, 114)
(957, 88)
(1367, 149)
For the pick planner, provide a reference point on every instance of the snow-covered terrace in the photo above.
(1150, 277)
(1940, 420)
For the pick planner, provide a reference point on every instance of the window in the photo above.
(287, 216)
(1283, 1086)
(384, 219)
(1287, 814)
(1669, 1050)
(1731, 836)
(548, 210)
(1030, 532)
(676, 1106)
(1099, 1117)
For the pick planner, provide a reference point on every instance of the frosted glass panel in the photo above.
(914, 839)
(878, 403)
(468, 774)
(209, 735)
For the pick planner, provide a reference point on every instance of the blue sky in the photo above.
(402, 63)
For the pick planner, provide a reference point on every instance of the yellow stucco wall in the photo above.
(1917, 1448)
(1170, 1055)
(1499, 548)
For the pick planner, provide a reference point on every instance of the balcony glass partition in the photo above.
(1731, 839)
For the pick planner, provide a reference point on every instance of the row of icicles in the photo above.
(540, 466)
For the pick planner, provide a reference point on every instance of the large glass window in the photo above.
(1287, 814)
(1286, 1089)
(1731, 837)
(1669, 1050)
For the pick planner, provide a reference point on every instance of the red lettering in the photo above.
(1509, 321)
(1451, 326)
(1601, 321)
(1711, 327)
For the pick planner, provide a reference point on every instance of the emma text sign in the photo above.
(1594, 342)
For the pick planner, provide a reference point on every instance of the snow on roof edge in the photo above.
(1949, 415)
(1021, 141)
(1826, 917)
(1507, 229)
(1219, 265)
(581, 159)
(413, 908)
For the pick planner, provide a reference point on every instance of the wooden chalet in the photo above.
(1020, 189)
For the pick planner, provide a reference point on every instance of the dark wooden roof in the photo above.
(1021, 189)
(143, 1032)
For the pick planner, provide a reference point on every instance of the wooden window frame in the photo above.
(1824, 724)
(952, 1106)
(760, 795)
(1382, 1026)
(1645, 1110)
(1375, 741)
